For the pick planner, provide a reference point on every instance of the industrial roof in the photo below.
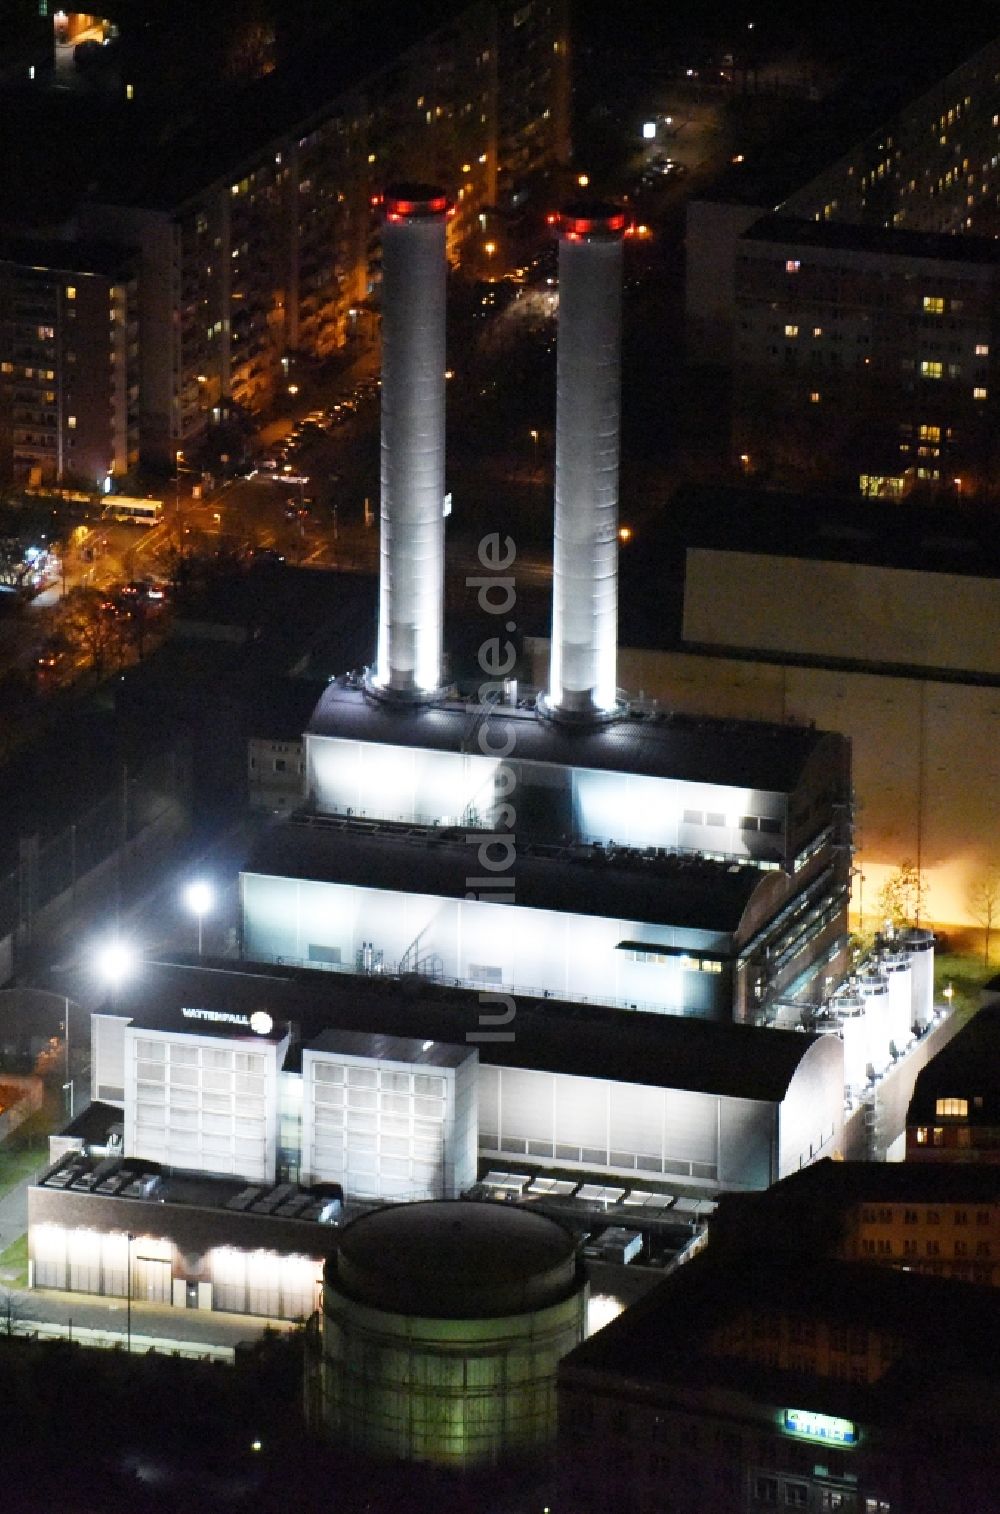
(552, 1035)
(79, 258)
(376, 1047)
(667, 1337)
(745, 753)
(808, 1211)
(850, 236)
(672, 891)
(453, 1259)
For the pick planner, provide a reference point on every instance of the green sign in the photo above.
(826, 1428)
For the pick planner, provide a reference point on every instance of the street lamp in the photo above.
(115, 961)
(199, 897)
(129, 1238)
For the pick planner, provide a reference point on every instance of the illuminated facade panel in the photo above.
(394, 1124)
(399, 783)
(427, 787)
(495, 946)
(203, 1103)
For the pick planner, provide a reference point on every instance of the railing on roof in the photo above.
(524, 990)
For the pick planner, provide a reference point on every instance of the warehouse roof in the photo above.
(746, 753)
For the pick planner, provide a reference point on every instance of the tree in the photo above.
(983, 900)
(87, 622)
(10, 1311)
(902, 899)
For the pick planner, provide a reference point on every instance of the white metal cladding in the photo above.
(811, 1115)
(584, 657)
(107, 1045)
(413, 440)
(593, 1123)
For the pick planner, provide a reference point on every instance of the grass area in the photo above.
(965, 974)
(14, 1264)
(27, 1149)
(16, 1164)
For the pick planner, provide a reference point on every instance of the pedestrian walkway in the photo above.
(115, 1340)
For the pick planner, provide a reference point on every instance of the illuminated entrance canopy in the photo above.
(806, 1425)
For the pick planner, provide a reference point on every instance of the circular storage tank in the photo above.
(918, 944)
(850, 1010)
(875, 993)
(899, 973)
(443, 1324)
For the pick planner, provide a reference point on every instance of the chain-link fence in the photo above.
(140, 797)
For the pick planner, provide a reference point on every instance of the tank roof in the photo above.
(453, 1259)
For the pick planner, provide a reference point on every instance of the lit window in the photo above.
(921, 1135)
(130, 91)
(937, 1136)
(979, 393)
(959, 1107)
(933, 304)
(814, 397)
(71, 295)
(46, 333)
(931, 370)
(982, 349)
(6, 367)
(791, 331)
(817, 331)
(793, 265)
(71, 422)
(930, 433)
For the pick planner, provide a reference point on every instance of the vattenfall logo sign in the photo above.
(259, 1022)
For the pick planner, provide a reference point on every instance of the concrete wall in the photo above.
(851, 611)
(925, 755)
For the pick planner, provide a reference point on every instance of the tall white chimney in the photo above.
(583, 666)
(411, 579)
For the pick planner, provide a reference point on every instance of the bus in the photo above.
(136, 512)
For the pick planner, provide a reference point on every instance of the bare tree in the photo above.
(902, 899)
(983, 900)
(10, 1311)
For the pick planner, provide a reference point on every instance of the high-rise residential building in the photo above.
(263, 243)
(856, 311)
(69, 363)
(866, 357)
